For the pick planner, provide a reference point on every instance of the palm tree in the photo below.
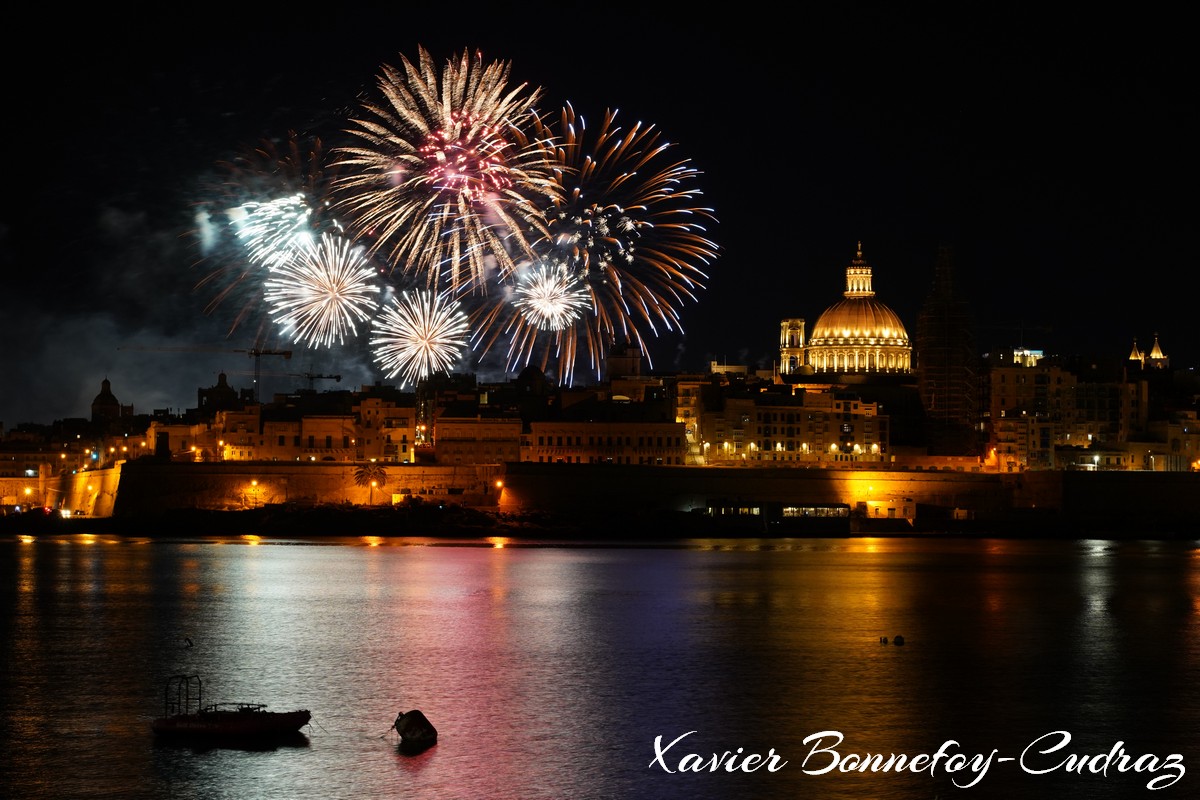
(372, 474)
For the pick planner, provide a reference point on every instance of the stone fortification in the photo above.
(1062, 503)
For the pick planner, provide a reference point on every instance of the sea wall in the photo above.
(1079, 504)
(149, 487)
(561, 487)
(1070, 503)
(1104, 503)
(91, 493)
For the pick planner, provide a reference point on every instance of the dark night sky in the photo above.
(1055, 155)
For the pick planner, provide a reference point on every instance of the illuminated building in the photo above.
(1155, 359)
(1037, 405)
(387, 425)
(778, 428)
(476, 439)
(859, 334)
(608, 431)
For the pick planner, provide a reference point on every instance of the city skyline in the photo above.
(1046, 162)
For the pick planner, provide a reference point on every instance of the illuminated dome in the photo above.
(862, 321)
(858, 334)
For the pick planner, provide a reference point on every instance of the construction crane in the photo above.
(255, 353)
(308, 376)
(311, 377)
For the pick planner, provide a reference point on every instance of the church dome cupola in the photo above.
(105, 407)
(859, 334)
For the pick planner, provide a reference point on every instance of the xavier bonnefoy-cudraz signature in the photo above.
(826, 753)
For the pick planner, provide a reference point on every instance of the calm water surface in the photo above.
(550, 671)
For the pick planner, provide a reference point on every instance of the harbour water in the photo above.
(608, 670)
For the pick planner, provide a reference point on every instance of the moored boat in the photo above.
(185, 715)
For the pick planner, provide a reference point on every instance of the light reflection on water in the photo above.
(550, 668)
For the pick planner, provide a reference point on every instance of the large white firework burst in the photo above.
(322, 292)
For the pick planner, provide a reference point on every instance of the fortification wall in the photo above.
(152, 487)
(560, 487)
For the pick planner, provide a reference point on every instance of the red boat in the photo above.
(184, 715)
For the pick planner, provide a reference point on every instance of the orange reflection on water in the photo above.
(250, 538)
(372, 541)
(870, 545)
(498, 542)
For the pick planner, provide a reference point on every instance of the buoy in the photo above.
(416, 731)
(898, 639)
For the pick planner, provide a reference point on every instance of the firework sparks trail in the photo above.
(274, 230)
(418, 335)
(320, 294)
(625, 222)
(447, 184)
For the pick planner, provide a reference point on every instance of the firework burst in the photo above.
(274, 230)
(625, 223)
(274, 198)
(321, 294)
(550, 298)
(448, 185)
(418, 335)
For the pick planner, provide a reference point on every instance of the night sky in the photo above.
(1054, 155)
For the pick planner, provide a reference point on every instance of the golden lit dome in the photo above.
(863, 320)
(859, 318)
(859, 333)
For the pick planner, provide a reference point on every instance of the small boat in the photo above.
(185, 715)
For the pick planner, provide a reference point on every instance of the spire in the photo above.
(858, 277)
(1135, 354)
(1156, 352)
